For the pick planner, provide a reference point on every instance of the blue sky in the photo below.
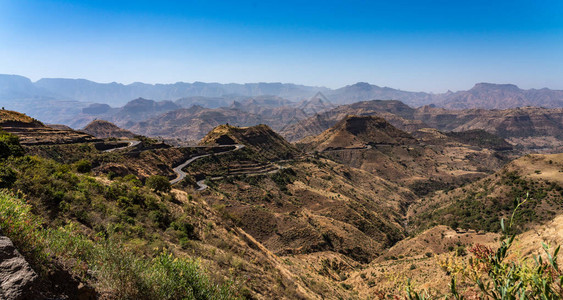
(412, 45)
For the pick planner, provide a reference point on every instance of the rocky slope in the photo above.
(104, 129)
(33, 132)
(261, 139)
(17, 278)
(359, 132)
(395, 112)
(529, 127)
(372, 144)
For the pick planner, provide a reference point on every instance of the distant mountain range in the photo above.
(482, 95)
(189, 110)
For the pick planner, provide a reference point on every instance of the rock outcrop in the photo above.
(17, 278)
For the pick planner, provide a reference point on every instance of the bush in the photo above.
(9, 145)
(7, 177)
(83, 166)
(158, 183)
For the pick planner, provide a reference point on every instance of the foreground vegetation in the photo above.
(60, 218)
(501, 274)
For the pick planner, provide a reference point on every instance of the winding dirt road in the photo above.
(181, 174)
(131, 144)
(202, 186)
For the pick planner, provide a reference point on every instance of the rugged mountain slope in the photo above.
(193, 123)
(372, 144)
(359, 132)
(481, 138)
(261, 139)
(309, 205)
(33, 132)
(395, 112)
(529, 127)
(526, 121)
(104, 129)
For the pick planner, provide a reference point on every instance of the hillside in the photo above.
(33, 132)
(309, 207)
(261, 139)
(104, 129)
(435, 162)
(479, 205)
(193, 123)
(395, 112)
(529, 128)
(316, 104)
(359, 132)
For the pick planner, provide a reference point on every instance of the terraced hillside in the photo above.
(33, 132)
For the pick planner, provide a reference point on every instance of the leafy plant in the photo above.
(497, 276)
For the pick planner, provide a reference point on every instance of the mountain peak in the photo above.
(359, 132)
(363, 86)
(106, 129)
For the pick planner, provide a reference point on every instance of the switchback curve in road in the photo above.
(131, 144)
(180, 175)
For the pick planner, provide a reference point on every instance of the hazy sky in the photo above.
(411, 45)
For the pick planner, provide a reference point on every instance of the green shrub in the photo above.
(9, 145)
(158, 183)
(83, 166)
(7, 176)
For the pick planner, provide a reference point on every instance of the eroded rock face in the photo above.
(16, 275)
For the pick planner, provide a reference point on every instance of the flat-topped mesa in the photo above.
(10, 118)
(360, 132)
(32, 132)
(105, 129)
(260, 139)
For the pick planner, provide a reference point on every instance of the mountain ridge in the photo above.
(15, 86)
